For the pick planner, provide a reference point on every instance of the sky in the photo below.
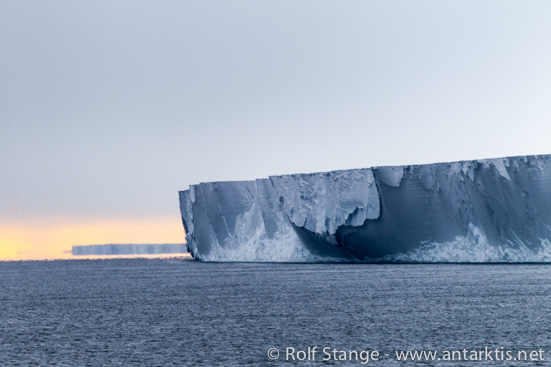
(107, 109)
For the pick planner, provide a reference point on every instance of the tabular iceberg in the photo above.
(491, 210)
(128, 249)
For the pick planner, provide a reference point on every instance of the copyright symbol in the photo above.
(273, 353)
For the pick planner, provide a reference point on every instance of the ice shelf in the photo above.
(491, 210)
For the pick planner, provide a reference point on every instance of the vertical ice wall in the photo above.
(484, 210)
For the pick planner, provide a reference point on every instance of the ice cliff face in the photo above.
(470, 211)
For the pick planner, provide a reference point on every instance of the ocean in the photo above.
(178, 312)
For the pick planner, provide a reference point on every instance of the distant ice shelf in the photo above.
(128, 249)
(489, 210)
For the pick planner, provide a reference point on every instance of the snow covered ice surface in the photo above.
(492, 210)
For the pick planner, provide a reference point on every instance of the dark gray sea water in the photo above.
(174, 312)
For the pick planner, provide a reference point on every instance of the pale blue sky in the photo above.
(108, 108)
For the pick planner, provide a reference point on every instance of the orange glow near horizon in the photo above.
(47, 242)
